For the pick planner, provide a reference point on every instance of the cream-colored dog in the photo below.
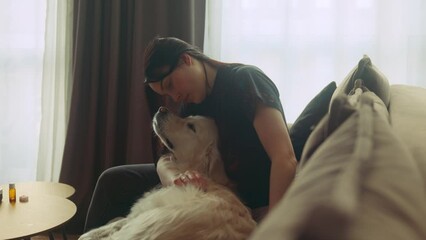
(185, 212)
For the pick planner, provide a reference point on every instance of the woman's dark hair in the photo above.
(165, 52)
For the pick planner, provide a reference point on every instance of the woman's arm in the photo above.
(273, 134)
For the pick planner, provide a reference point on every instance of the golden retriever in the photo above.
(185, 212)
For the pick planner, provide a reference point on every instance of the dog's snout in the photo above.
(160, 118)
(163, 110)
(161, 113)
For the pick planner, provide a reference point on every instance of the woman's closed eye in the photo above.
(191, 126)
(167, 84)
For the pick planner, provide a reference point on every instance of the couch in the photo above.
(362, 168)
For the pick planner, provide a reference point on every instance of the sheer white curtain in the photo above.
(29, 53)
(56, 88)
(302, 45)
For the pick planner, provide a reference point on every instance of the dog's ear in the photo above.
(215, 168)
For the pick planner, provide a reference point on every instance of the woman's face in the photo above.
(186, 83)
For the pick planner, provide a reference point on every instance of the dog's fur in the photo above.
(185, 212)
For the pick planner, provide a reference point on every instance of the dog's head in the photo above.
(192, 140)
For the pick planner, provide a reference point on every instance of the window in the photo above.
(35, 83)
(302, 45)
(22, 29)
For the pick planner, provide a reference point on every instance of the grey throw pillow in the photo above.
(372, 77)
(309, 118)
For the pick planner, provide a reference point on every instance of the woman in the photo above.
(243, 101)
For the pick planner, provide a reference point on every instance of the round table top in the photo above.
(39, 214)
(40, 188)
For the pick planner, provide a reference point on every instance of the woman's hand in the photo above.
(191, 177)
(170, 174)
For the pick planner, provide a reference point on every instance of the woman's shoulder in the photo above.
(241, 69)
(242, 75)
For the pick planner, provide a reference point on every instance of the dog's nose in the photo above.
(163, 110)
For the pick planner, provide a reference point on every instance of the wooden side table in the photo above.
(47, 208)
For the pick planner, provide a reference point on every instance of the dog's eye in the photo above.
(191, 126)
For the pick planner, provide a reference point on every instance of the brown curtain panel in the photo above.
(111, 109)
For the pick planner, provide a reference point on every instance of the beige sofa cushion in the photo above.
(359, 183)
(408, 118)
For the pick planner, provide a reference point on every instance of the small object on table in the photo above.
(12, 193)
(1, 194)
(23, 198)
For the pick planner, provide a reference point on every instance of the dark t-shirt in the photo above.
(232, 103)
